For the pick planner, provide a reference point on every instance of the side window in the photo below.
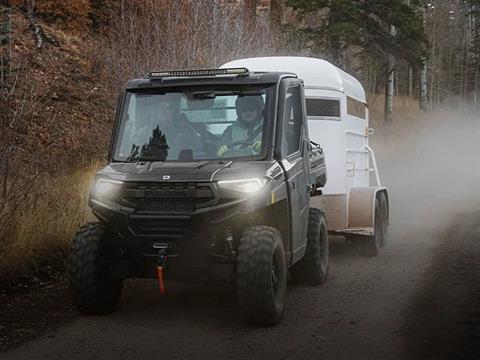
(356, 108)
(323, 108)
(292, 122)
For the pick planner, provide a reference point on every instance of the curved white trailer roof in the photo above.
(316, 73)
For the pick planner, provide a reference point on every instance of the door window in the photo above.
(292, 122)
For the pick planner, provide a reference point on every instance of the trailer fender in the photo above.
(361, 206)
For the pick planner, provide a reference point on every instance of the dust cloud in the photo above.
(431, 165)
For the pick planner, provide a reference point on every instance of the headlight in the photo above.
(246, 186)
(105, 188)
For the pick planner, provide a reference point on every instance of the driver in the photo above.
(248, 127)
(178, 133)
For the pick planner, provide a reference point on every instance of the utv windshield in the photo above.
(193, 124)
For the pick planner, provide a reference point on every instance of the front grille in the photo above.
(166, 229)
(168, 205)
(167, 197)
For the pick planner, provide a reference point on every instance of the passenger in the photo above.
(247, 128)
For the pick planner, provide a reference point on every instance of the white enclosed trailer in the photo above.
(354, 200)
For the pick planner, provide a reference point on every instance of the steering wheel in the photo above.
(238, 143)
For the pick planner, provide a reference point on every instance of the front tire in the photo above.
(95, 288)
(261, 275)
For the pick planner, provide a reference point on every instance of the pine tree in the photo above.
(381, 29)
(367, 24)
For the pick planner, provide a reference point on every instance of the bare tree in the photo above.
(182, 34)
(390, 86)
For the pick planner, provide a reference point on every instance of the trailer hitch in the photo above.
(161, 262)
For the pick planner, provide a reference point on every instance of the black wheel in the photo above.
(372, 244)
(95, 288)
(313, 268)
(261, 275)
(385, 217)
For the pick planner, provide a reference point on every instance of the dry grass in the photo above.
(406, 109)
(40, 231)
(407, 119)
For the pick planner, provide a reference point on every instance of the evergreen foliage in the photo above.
(366, 24)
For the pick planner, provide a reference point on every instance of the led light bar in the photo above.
(201, 72)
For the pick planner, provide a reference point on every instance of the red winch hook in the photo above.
(161, 282)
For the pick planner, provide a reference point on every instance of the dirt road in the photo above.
(419, 299)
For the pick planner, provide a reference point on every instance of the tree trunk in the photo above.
(423, 87)
(335, 42)
(250, 13)
(389, 89)
(423, 75)
(410, 82)
(390, 86)
(477, 84)
(276, 13)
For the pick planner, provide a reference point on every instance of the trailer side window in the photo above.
(323, 108)
(356, 108)
(292, 122)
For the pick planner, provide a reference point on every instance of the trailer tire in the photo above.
(261, 275)
(385, 217)
(372, 244)
(95, 291)
(313, 268)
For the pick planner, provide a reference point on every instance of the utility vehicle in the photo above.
(177, 200)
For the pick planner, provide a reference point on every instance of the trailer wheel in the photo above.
(261, 275)
(372, 244)
(95, 289)
(313, 268)
(384, 215)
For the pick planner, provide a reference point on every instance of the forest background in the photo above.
(63, 62)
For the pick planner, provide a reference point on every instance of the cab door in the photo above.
(294, 154)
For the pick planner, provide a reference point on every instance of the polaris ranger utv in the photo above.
(210, 174)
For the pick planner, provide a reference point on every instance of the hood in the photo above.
(185, 171)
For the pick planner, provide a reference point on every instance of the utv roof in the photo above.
(206, 77)
(316, 73)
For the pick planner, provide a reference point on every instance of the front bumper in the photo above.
(194, 240)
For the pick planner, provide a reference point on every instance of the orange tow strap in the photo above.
(161, 282)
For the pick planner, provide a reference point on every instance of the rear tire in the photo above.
(261, 275)
(371, 245)
(95, 289)
(313, 268)
(385, 217)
